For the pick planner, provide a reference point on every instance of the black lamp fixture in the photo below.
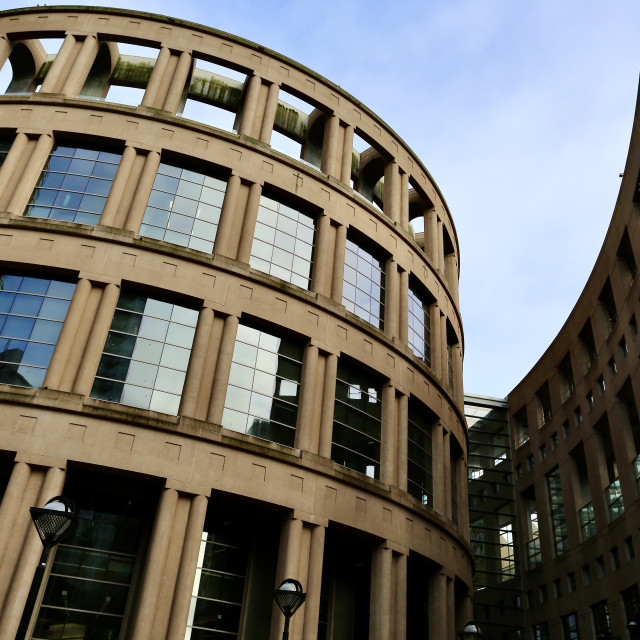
(289, 596)
(471, 632)
(53, 523)
(633, 627)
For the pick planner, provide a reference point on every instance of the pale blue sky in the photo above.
(522, 113)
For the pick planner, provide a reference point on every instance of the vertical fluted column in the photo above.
(114, 198)
(438, 455)
(68, 335)
(436, 340)
(347, 155)
(250, 105)
(59, 67)
(306, 427)
(178, 82)
(81, 66)
(446, 472)
(227, 215)
(391, 205)
(15, 155)
(30, 174)
(438, 615)
(249, 222)
(143, 191)
(338, 264)
(97, 339)
(197, 360)
(157, 77)
(314, 583)
(392, 298)
(404, 200)
(431, 235)
(328, 405)
(388, 446)
(270, 110)
(330, 145)
(403, 307)
(403, 441)
(381, 593)
(440, 240)
(223, 367)
(322, 254)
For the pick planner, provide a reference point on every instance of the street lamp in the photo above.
(471, 632)
(289, 597)
(633, 626)
(53, 522)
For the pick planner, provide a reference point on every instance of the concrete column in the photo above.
(328, 405)
(388, 445)
(249, 222)
(68, 335)
(187, 570)
(157, 78)
(404, 200)
(444, 358)
(403, 441)
(392, 298)
(436, 339)
(81, 67)
(306, 429)
(97, 339)
(400, 593)
(330, 145)
(431, 236)
(451, 272)
(227, 215)
(8, 168)
(382, 595)
(201, 409)
(314, 583)
(391, 205)
(5, 50)
(11, 503)
(59, 67)
(403, 308)
(440, 241)
(270, 110)
(463, 500)
(250, 104)
(347, 154)
(322, 254)
(178, 82)
(438, 614)
(457, 374)
(223, 367)
(446, 472)
(30, 175)
(338, 264)
(451, 608)
(197, 359)
(153, 575)
(598, 480)
(28, 561)
(624, 451)
(438, 454)
(114, 198)
(143, 191)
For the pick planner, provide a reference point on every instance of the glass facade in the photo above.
(363, 287)
(283, 242)
(74, 184)
(184, 208)
(419, 327)
(556, 506)
(357, 421)
(614, 499)
(32, 311)
(419, 454)
(587, 521)
(145, 358)
(264, 386)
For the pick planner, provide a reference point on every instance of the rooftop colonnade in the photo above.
(199, 322)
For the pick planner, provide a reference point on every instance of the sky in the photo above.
(521, 112)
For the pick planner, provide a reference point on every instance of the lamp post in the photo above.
(53, 522)
(289, 597)
(471, 632)
(633, 627)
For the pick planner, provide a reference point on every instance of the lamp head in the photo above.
(471, 632)
(54, 521)
(289, 596)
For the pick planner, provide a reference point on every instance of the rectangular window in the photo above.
(587, 521)
(556, 506)
(419, 327)
(145, 357)
(32, 311)
(614, 499)
(601, 620)
(419, 454)
(184, 208)
(264, 386)
(570, 627)
(541, 631)
(357, 421)
(283, 242)
(363, 289)
(74, 185)
(5, 147)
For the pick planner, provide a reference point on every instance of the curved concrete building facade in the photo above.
(576, 434)
(241, 365)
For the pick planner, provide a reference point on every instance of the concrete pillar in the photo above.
(388, 445)
(270, 110)
(322, 254)
(201, 409)
(15, 155)
(153, 574)
(81, 66)
(330, 145)
(438, 454)
(399, 632)
(391, 205)
(178, 82)
(431, 236)
(97, 339)
(338, 264)
(392, 298)
(68, 335)
(5, 50)
(451, 272)
(249, 222)
(187, 569)
(382, 595)
(59, 67)
(227, 215)
(11, 504)
(438, 614)
(463, 500)
(403, 441)
(440, 241)
(143, 191)
(223, 367)
(404, 200)
(108, 216)
(457, 374)
(598, 480)
(197, 360)
(624, 451)
(314, 583)
(347, 154)
(446, 472)
(306, 427)
(403, 308)
(157, 77)
(444, 358)
(436, 340)
(451, 608)
(328, 405)
(30, 175)
(250, 104)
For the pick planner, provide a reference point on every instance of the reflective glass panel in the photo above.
(419, 327)
(145, 358)
(32, 311)
(419, 461)
(74, 185)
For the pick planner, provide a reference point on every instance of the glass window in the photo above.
(264, 386)
(601, 620)
(363, 288)
(357, 421)
(419, 327)
(184, 208)
(5, 146)
(145, 358)
(570, 627)
(74, 184)
(419, 454)
(556, 505)
(32, 311)
(283, 242)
